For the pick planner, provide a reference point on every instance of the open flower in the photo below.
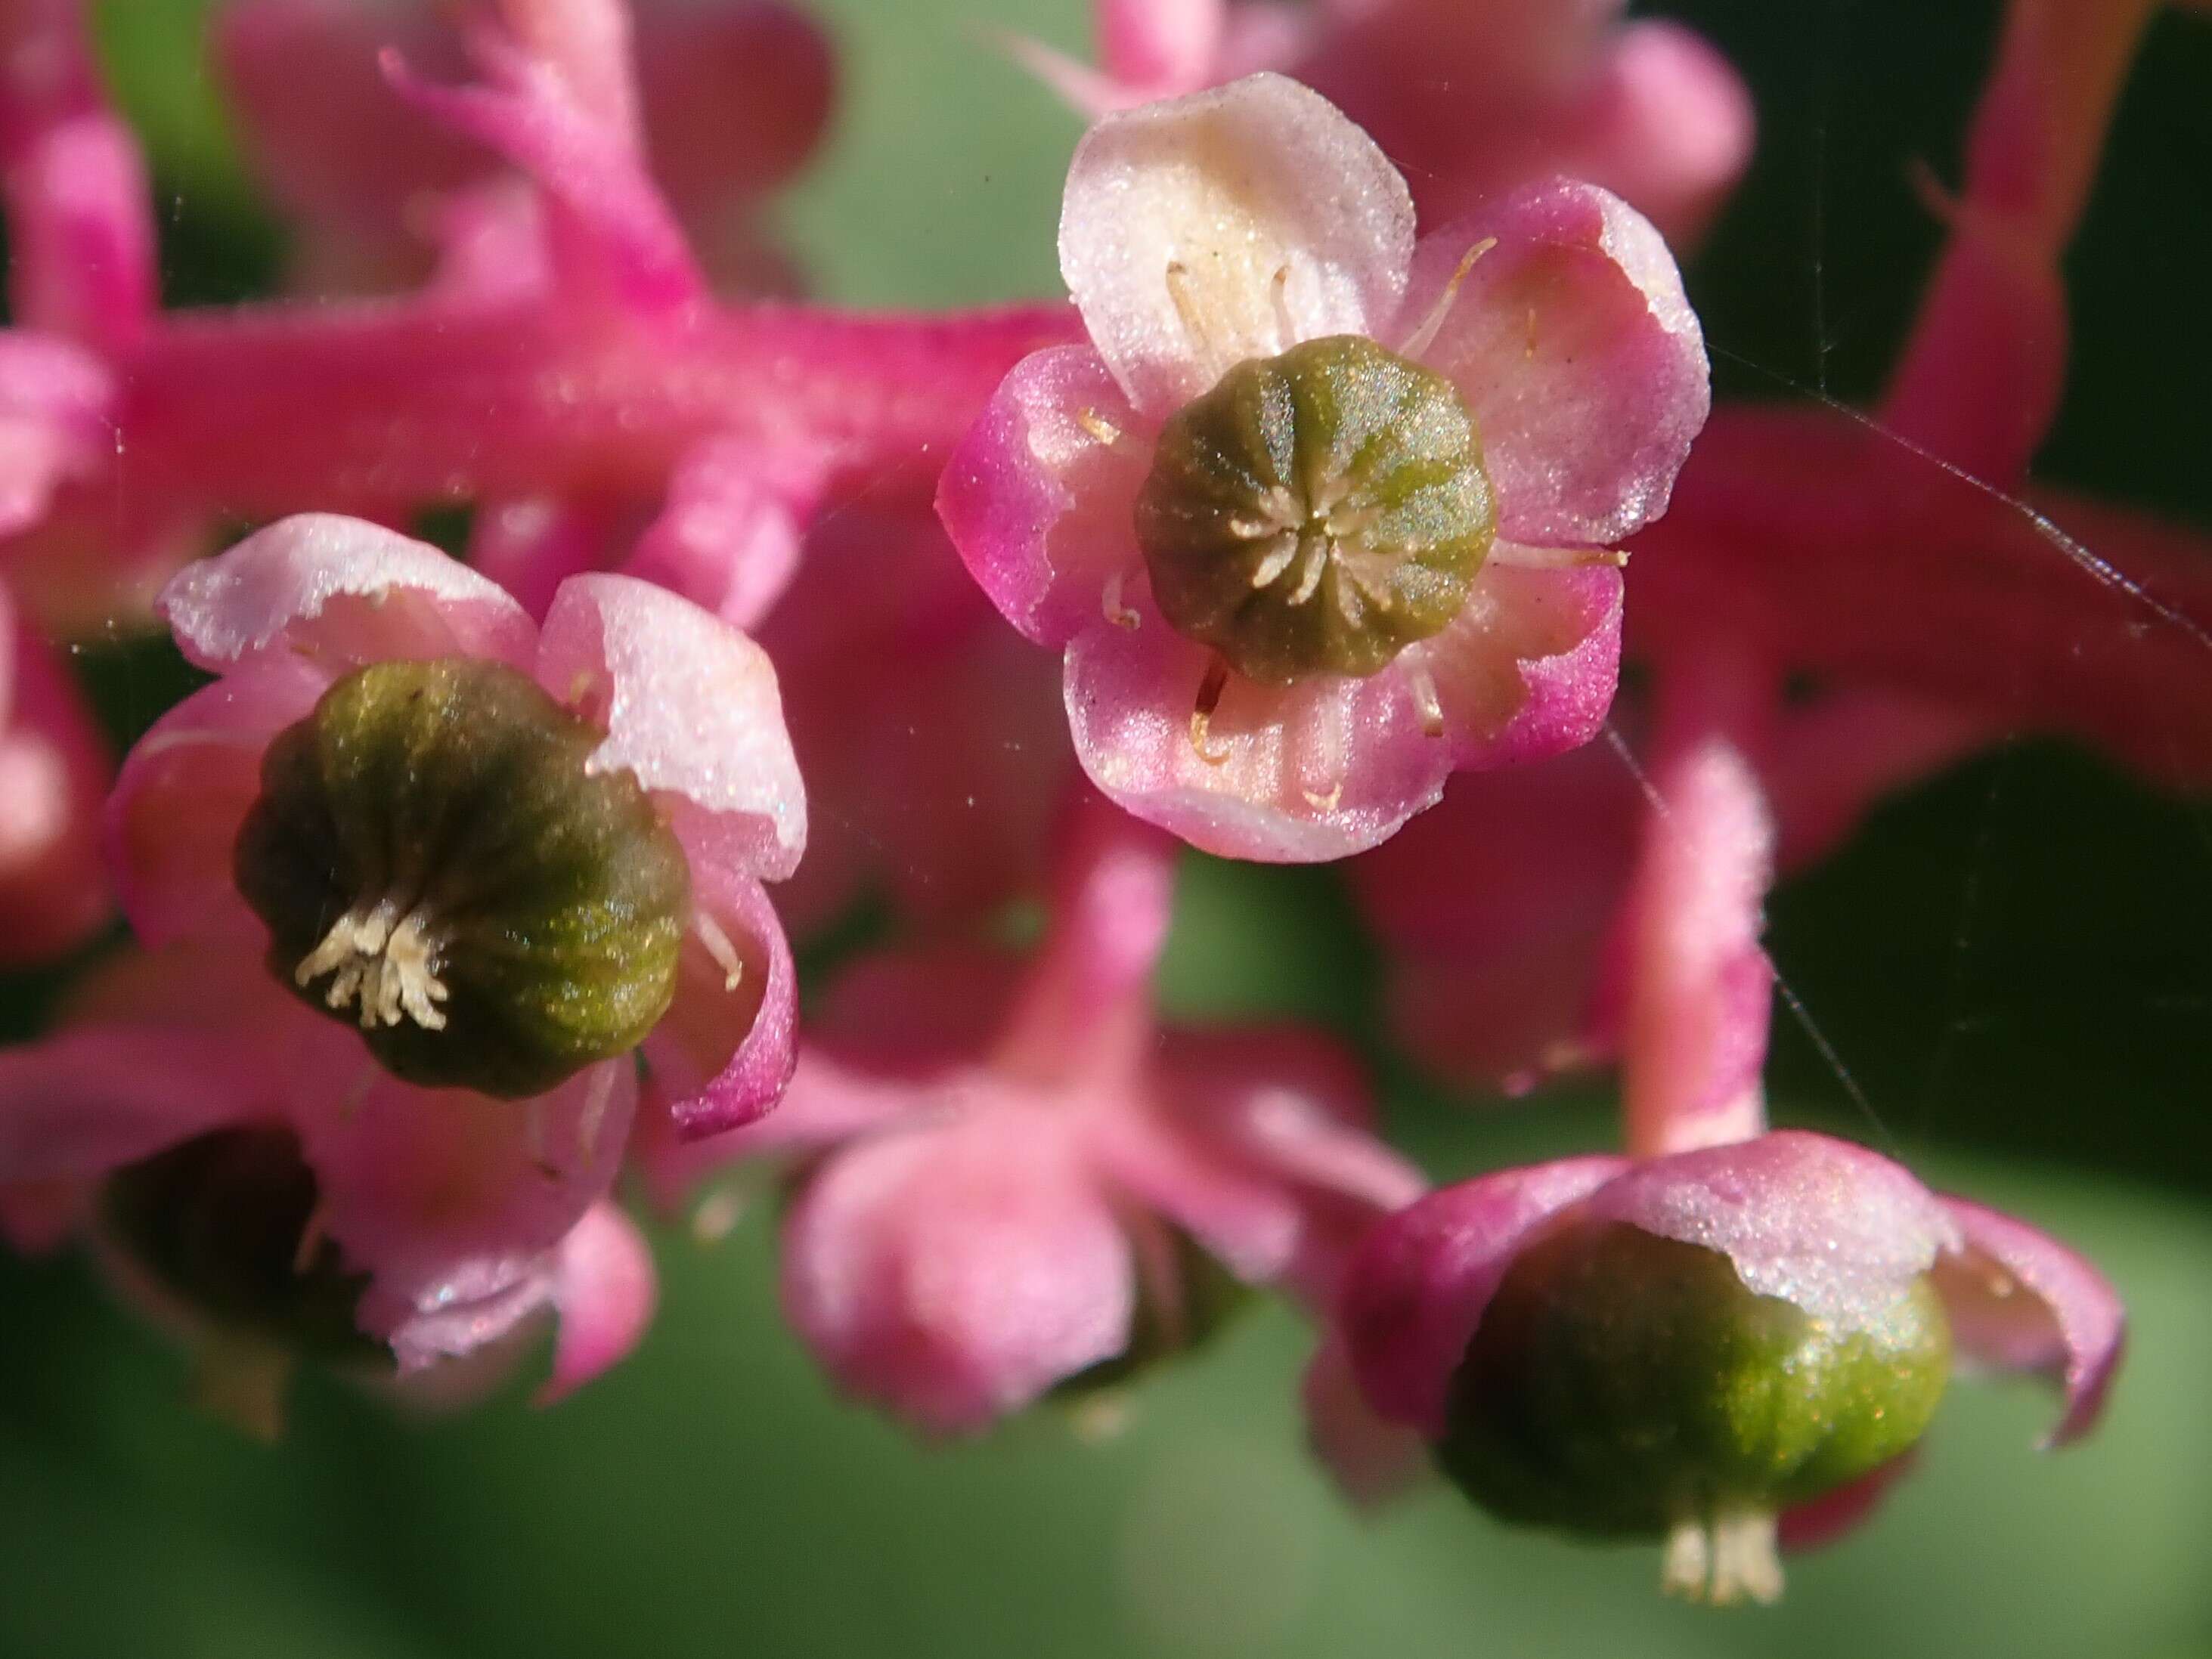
(256, 1182)
(1318, 518)
(510, 854)
(1703, 1347)
(1006, 1182)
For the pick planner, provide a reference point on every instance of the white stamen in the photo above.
(385, 961)
(1425, 336)
(1724, 1558)
(1100, 427)
(1427, 702)
(1279, 295)
(1109, 600)
(1277, 561)
(1521, 556)
(719, 947)
(1187, 308)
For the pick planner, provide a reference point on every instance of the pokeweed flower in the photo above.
(1706, 1347)
(730, 99)
(1009, 1183)
(254, 1182)
(54, 774)
(1319, 517)
(510, 854)
(1644, 107)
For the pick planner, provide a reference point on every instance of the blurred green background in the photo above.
(2015, 963)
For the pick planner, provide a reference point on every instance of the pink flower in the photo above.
(256, 1182)
(1471, 97)
(1007, 1181)
(573, 857)
(733, 99)
(1424, 599)
(1455, 1305)
(54, 773)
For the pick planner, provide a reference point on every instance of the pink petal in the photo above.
(605, 1290)
(1169, 44)
(339, 593)
(54, 402)
(1493, 909)
(1038, 506)
(530, 547)
(450, 1199)
(82, 1102)
(728, 537)
(736, 99)
(54, 776)
(1815, 1525)
(1232, 187)
(1578, 354)
(185, 789)
(1416, 1290)
(1529, 667)
(2069, 1325)
(1316, 772)
(1372, 1458)
(619, 232)
(952, 1276)
(690, 707)
(723, 1052)
(1832, 1227)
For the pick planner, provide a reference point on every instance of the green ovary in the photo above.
(1316, 513)
(435, 863)
(1624, 1384)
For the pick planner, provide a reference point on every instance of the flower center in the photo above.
(438, 864)
(1316, 513)
(228, 1224)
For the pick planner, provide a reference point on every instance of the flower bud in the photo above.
(1622, 1384)
(435, 859)
(1317, 511)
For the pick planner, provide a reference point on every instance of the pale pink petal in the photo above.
(1668, 125)
(690, 707)
(1251, 1221)
(451, 1199)
(1700, 988)
(1371, 1458)
(185, 789)
(1579, 356)
(915, 1011)
(1171, 45)
(619, 234)
(2020, 1300)
(54, 403)
(728, 537)
(1285, 221)
(1832, 1227)
(723, 1052)
(339, 593)
(1038, 499)
(1529, 667)
(54, 776)
(604, 1292)
(78, 1103)
(953, 1276)
(737, 97)
(1416, 1290)
(1315, 772)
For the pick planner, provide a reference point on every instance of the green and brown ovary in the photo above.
(1622, 1384)
(1316, 513)
(221, 1222)
(435, 863)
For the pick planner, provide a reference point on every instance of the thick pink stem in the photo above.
(1980, 379)
(1698, 986)
(378, 408)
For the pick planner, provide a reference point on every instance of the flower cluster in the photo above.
(447, 890)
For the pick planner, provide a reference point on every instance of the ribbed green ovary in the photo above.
(1316, 513)
(434, 863)
(1622, 1384)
